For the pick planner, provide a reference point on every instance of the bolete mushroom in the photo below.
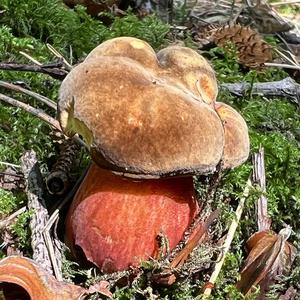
(143, 116)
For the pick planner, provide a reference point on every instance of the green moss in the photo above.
(9, 202)
(21, 229)
(74, 30)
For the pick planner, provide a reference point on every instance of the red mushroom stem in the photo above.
(115, 221)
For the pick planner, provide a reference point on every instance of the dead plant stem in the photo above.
(39, 97)
(228, 241)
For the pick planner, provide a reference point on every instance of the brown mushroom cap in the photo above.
(192, 69)
(130, 47)
(237, 145)
(150, 116)
(136, 124)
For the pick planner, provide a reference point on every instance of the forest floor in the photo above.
(273, 123)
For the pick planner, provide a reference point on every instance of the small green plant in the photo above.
(21, 229)
(9, 202)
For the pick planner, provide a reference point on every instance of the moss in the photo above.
(10, 202)
(22, 232)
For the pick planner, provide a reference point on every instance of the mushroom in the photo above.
(236, 148)
(145, 117)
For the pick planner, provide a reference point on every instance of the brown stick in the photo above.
(259, 177)
(286, 88)
(34, 111)
(17, 88)
(8, 220)
(55, 70)
(40, 216)
(195, 240)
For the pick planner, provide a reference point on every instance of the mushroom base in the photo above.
(116, 221)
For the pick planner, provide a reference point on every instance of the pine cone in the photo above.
(203, 34)
(57, 137)
(253, 51)
(59, 178)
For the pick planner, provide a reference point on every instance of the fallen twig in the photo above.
(280, 65)
(174, 264)
(228, 241)
(39, 97)
(54, 248)
(56, 70)
(285, 2)
(31, 58)
(39, 217)
(40, 114)
(287, 88)
(259, 177)
(199, 233)
(9, 164)
(67, 66)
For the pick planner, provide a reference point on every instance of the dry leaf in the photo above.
(269, 255)
(21, 277)
(101, 287)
